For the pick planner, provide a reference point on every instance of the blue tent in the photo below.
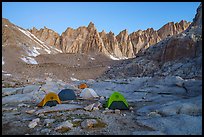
(67, 94)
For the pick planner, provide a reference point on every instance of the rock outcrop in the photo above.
(48, 36)
(124, 45)
(111, 43)
(197, 21)
(82, 40)
(186, 44)
(177, 55)
(141, 40)
(170, 28)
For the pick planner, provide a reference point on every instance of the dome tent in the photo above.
(88, 93)
(50, 99)
(83, 86)
(117, 101)
(67, 94)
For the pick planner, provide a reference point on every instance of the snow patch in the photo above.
(41, 43)
(45, 47)
(56, 49)
(92, 58)
(113, 58)
(48, 51)
(3, 61)
(29, 60)
(74, 79)
(33, 52)
(7, 74)
(25, 32)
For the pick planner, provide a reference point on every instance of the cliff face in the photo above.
(124, 45)
(187, 43)
(177, 55)
(141, 40)
(172, 29)
(82, 40)
(48, 36)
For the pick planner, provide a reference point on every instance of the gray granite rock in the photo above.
(30, 88)
(58, 107)
(48, 122)
(175, 125)
(67, 125)
(11, 91)
(147, 133)
(88, 123)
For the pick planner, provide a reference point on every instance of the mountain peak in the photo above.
(34, 28)
(103, 31)
(91, 25)
(125, 31)
(110, 32)
(5, 21)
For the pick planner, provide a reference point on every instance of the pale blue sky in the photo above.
(110, 16)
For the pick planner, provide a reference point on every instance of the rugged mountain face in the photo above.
(196, 25)
(81, 40)
(26, 57)
(48, 36)
(141, 40)
(172, 29)
(186, 44)
(20, 47)
(111, 43)
(124, 45)
(178, 55)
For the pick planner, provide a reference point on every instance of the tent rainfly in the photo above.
(50, 99)
(83, 86)
(67, 94)
(88, 93)
(117, 101)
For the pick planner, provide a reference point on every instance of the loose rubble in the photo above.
(154, 100)
(34, 123)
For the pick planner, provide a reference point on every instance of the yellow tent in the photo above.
(50, 97)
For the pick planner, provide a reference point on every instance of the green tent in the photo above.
(117, 101)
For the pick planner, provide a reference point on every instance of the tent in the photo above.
(83, 86)
(88, 93)
(117, 101)
(67, 94)
(50, 99)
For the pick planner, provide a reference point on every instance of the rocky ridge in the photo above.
(122, 46)
(178, 55)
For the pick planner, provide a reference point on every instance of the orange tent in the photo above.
(83, 86)
(48, 98)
